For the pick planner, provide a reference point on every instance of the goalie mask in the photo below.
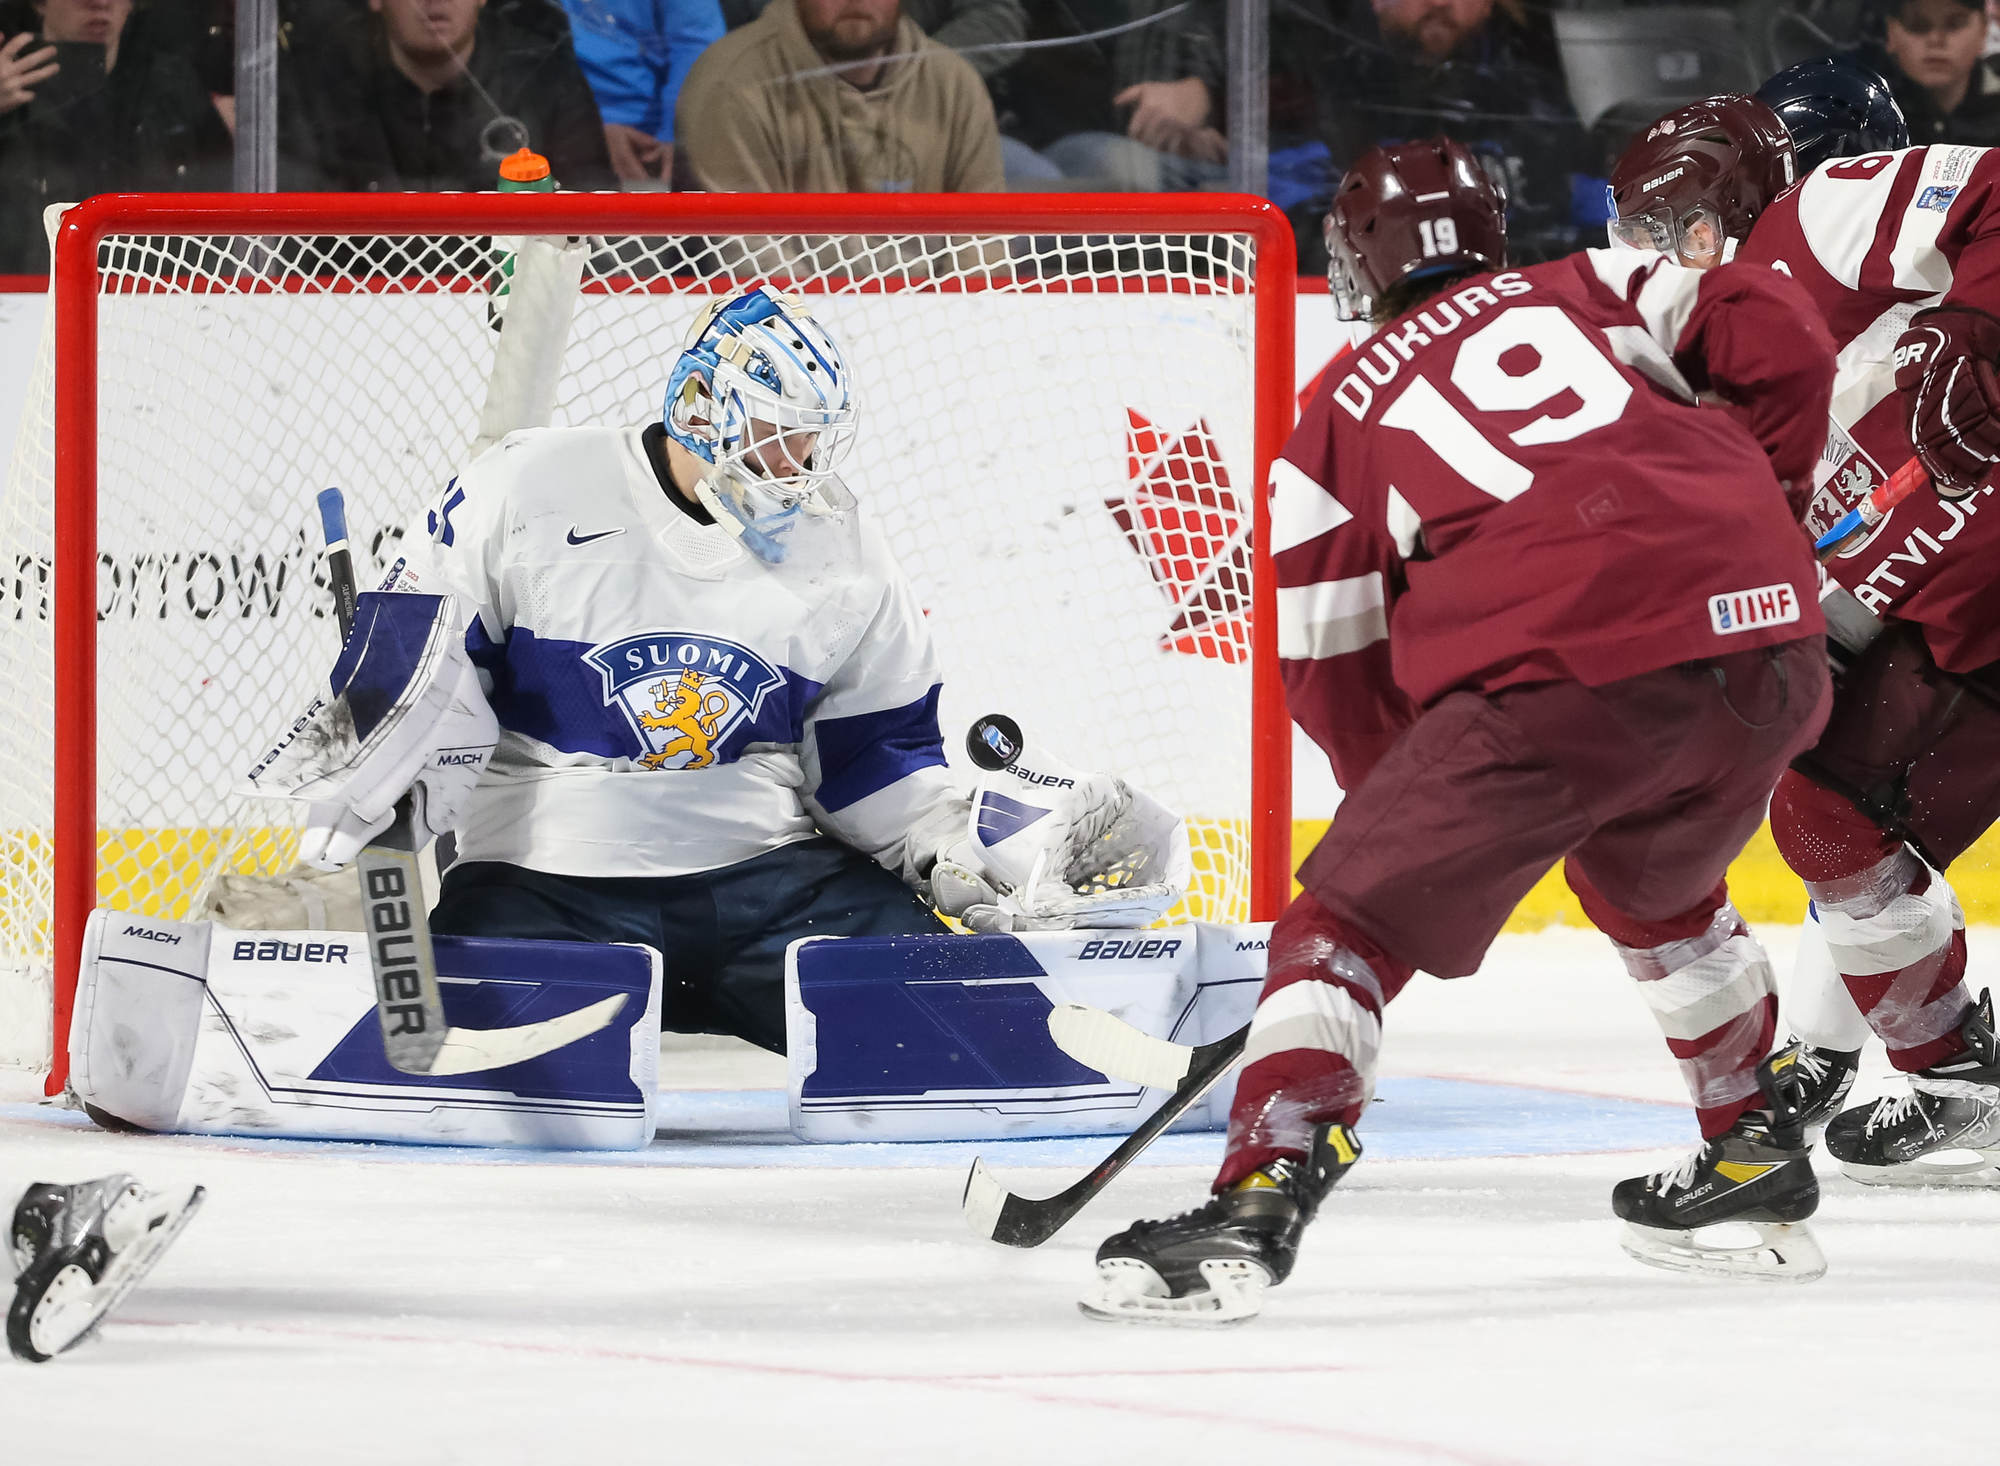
(760, 394)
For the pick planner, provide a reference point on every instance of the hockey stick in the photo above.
(1099, 1040)
(415, 1036)
(1020, 1221)
(1871, 511)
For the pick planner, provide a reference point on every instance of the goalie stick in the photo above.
(395, 915)
(1019, 1221)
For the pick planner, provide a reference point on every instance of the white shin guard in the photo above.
(1714, 983)
(1876, 923)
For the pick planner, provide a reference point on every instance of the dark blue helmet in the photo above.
(1835, 107)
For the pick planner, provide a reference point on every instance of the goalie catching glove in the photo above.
(1048, 847)
(405, 714)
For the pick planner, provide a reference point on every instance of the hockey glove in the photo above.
(1946, 371)
(405, 714)
(1051, 849)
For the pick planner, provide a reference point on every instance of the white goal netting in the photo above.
(1057, 434)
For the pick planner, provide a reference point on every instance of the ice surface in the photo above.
(728, 1297)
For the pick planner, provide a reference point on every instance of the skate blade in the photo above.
(1784, 1252)
(80, 1315)
(1970, 1168)
(1129, 1291)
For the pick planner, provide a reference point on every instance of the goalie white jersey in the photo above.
(668, 703)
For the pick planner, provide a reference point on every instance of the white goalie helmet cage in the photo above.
(762, 393)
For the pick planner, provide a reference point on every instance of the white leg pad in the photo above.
(200, 1028)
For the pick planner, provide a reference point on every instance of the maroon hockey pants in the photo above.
(1647, 787)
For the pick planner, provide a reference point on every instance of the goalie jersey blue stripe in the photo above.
(866, 753)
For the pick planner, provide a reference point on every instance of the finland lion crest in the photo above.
(684, 694)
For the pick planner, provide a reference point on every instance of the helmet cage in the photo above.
(761, 394)
(1353, 300)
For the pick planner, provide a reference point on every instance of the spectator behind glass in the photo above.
(1930, 54)
(82, 112)
(984, 32)
(837, 96)
(1136, 110)
(430, 95)
(1483, 73)
(635, 54)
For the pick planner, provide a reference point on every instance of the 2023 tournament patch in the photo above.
(1750, 610)
(683, 693)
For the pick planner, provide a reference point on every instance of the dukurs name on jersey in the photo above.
(683, 693)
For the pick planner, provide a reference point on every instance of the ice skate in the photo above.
(1945, 1131)
(78, 1250)
(1212, 1265)
(1757, 1173)
(1825, 1077)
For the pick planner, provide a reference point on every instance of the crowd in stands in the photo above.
(918, 95)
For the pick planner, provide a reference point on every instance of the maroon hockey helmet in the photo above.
(1403, 212)
(1698, 176)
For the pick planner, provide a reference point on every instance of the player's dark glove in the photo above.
(1948, 370)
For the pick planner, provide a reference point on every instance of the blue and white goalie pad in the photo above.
(947, 1037)
(194, 1027)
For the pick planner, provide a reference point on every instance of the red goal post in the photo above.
(989, 275)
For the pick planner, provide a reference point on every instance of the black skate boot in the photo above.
(1944, 1132)
(1212, 1265)
(1759, 1171)
(1825, 1076)
(78, 1250)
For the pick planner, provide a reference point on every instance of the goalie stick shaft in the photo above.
(393, 911)
(1020, 1221)
(415, 1036)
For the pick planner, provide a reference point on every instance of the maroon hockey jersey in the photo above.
(1515, 484)
(1874, 240)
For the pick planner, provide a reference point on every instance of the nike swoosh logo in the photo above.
(576, 539)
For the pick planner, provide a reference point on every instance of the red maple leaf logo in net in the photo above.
(1187, 524)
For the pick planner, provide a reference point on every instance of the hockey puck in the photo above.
(994, 741)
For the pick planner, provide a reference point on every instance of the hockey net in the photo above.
(1067, 411)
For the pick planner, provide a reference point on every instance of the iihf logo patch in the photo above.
(683, 693)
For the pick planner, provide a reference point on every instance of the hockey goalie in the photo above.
(671, 692)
